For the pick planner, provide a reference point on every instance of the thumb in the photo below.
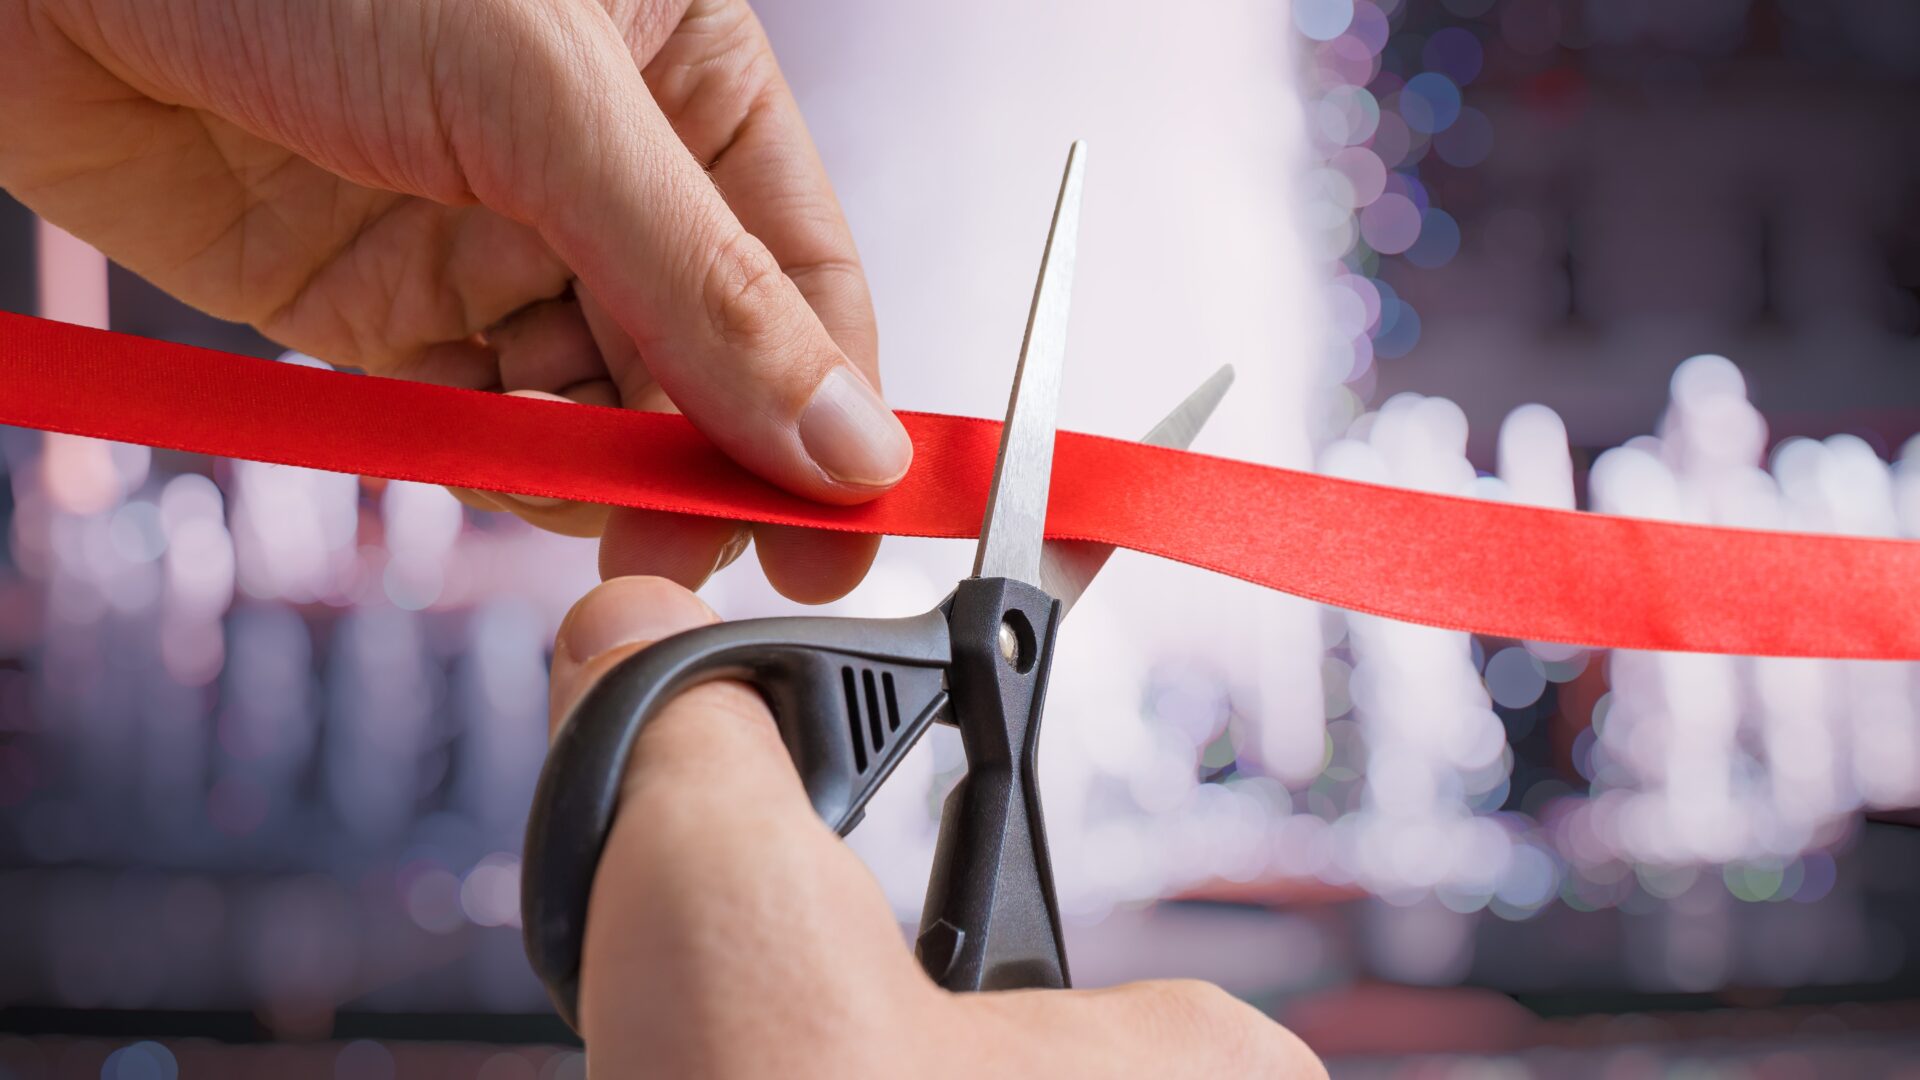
(716, 321)
(610, 623)
(726, 918)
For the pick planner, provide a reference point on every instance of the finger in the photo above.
(813, 566)
(554, 515)
(580, 519)
(566, 518)
(810, 566)
(684, 549)
(476, 499)
(548, 347)
(761, 156)
(765, 164)
(1169, 1028)
(617, 353)
(608, 624)
(637, 389)
(719, 325)
(467, 364)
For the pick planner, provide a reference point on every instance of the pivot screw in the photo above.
(1009, 643)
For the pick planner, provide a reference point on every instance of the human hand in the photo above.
(615, 201)
(730, 933)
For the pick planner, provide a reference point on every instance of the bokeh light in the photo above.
(1438, 241)
(1323, 20)
(1390, 224)
(1453, 51)
(1430, 102)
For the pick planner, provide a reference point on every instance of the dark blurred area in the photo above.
(1646, 181)
(267, 736)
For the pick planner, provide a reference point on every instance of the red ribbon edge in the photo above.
(1444, 561)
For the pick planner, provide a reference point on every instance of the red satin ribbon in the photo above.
(1492, 568)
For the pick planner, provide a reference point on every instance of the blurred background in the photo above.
(267, 736)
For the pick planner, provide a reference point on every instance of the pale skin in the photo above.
(612, 201)
(616, 202)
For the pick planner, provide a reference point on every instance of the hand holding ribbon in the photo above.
(613, 202)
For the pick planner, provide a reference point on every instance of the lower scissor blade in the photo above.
(1067, 567)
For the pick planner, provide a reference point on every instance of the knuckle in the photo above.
(746, 295)
(723, 720)
(837, 275)
(718, 64)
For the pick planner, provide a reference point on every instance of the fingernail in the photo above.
(624, 611)
(850, 432)
(535, 502)
(627, 611)
(733, 549)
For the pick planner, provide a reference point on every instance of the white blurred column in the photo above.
(72, 278)
(944, 129)
(1433, 742)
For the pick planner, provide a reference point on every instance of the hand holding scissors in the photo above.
(699, 820)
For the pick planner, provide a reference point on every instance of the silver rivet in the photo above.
(1009, 644)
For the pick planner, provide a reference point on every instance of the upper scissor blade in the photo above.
(1067, 567)
(1012, 531)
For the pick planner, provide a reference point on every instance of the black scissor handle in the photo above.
(850, 696)
(991, 921)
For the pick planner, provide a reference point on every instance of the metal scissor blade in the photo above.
(1011, 533)
(1067, 567)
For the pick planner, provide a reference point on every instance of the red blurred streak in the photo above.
(1274, 892)
(1385, 1018)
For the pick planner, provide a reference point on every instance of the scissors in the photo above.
(852, 696)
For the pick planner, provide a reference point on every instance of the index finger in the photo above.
(745, 127)
(761, 156)
(715, 321)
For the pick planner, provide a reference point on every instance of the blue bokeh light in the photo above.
(1430, 102)
(1439, 240)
